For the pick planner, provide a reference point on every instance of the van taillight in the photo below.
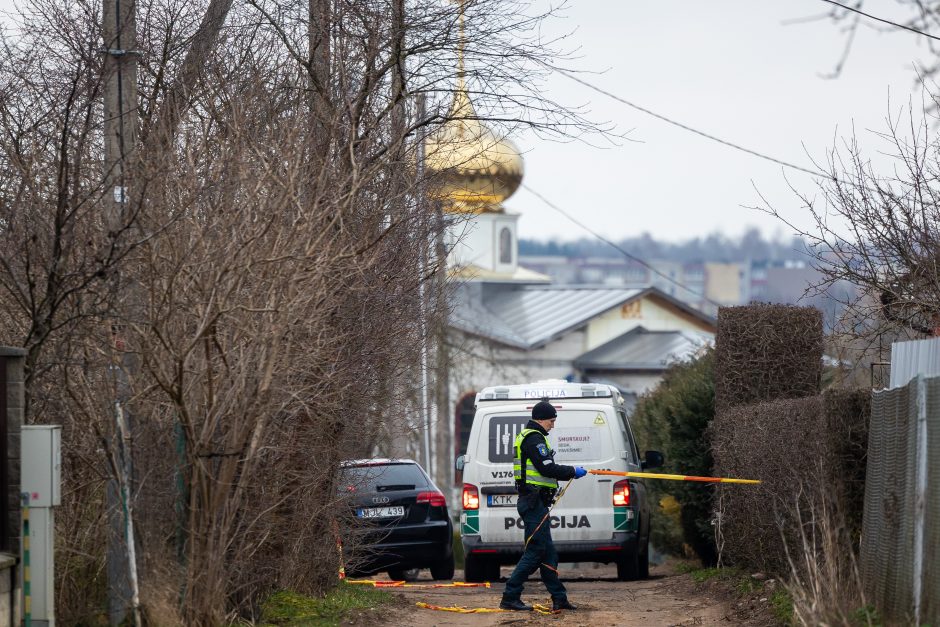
(434, 499)
(622, 493)
(471, 498)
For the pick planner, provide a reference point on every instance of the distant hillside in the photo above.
(715, 247)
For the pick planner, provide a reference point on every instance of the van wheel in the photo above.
(474, 569)
(492, 571)
(645, 561)
(444, 569)
(628, 567)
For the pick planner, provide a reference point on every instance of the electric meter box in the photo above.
(41, 470)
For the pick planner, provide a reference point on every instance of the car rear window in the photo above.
(382, 478)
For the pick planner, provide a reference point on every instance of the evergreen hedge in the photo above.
(673, 419)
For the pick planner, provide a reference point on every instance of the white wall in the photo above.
(646, 312)
(475, 240)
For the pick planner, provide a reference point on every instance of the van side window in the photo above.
(631, 441)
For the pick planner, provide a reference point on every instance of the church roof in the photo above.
(642, 349)
(473, 272)
(532, 315)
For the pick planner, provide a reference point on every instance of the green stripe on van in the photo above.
(624, 519)
(471, 523)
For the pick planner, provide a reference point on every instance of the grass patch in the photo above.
(782, 606)
(742, 586)
(289, 608)
(867, 615)
(686, 567)
(701, 575)
(735, 577)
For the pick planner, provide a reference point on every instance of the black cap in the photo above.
(543, 410)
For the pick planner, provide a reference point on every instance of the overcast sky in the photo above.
(731, 68)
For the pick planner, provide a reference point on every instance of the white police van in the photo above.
(599, 518)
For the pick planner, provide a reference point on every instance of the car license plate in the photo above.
(381, 512)
(501, 500)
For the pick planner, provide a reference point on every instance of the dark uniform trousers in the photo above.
(539, 551)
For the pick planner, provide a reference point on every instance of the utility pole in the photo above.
(425, 403)
(119, 30)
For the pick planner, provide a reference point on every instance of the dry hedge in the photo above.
(772, 424)
(764, 352)
(809, 453)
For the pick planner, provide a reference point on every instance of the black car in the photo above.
(398, 520)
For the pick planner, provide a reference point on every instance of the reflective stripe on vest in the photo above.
(532, 475)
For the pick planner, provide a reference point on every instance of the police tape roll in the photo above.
(655, 475)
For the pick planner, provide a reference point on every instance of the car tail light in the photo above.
(434, 499)
(622, 493)
(471, 498)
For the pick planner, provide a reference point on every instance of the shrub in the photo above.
(809, 454)
(673, 418)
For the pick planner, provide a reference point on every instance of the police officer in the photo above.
(537, 476)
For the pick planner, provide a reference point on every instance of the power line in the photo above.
(616, 247)
(882, 20)
(686, 127)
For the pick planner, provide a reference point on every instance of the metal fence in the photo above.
(909, 359)
(900, 548)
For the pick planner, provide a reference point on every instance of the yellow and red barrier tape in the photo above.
(655, 475)
(405, 584)
(538, 608)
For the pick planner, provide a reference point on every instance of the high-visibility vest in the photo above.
(532, 475)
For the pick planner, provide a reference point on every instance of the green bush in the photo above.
(673, 419)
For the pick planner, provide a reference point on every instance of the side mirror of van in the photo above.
(459, 462)
(652, 459)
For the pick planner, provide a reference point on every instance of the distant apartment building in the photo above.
(782, 281)
(704, 285)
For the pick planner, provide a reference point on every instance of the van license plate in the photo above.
(381, 512)
(501, 500)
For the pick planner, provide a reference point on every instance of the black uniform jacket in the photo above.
(543, 462)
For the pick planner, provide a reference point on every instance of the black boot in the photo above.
(514, 604)
(562, 604)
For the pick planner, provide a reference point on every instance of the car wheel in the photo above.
(474, 569)
(444, 569)
(403, 574)
(628, 567)
(644, 566)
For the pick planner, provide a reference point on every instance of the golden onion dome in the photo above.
(474, 169)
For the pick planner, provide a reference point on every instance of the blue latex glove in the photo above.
(579, 472)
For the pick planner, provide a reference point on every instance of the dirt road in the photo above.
(666, 598)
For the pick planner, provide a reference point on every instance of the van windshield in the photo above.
(579, 436)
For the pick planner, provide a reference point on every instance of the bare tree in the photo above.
(917, 19)
(273, 237)
(877, 229)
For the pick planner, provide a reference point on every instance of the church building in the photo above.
(508, 324)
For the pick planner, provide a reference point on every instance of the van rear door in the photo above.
(585, 435)
(493, 466)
